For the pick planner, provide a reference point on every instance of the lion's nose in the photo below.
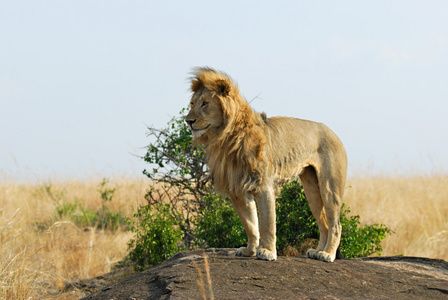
(190, 122)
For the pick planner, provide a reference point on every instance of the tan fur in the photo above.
(251, 156)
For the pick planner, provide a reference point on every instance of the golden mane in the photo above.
(237, 153)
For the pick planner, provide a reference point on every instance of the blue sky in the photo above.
(80, 80)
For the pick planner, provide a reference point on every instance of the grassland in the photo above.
(50, 238)
(414, 207)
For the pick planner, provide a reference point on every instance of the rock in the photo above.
(184, 276)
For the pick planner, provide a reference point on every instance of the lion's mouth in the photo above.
(194, 129)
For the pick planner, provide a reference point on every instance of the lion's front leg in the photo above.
(247, 212)
(266, 211)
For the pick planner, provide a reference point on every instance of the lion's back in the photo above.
(295, 140)
(288, 133)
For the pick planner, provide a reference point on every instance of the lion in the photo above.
(251, 156)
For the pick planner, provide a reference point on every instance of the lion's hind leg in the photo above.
(312, 192)
(331, 191)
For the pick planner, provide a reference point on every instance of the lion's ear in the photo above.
(222, 87)
(196, 84)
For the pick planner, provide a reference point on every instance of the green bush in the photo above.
(219, 226)
(178, 174)
(156, 236)
(357, 241)
(103, 218)
(295, 224)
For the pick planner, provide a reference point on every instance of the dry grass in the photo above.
(205, 286)
(414, 207)
(40, 253)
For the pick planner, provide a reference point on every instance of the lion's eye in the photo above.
(204, 104)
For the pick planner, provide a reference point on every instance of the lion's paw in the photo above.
(265, 254)
(312, 253)
(325, 256)
(244, 251)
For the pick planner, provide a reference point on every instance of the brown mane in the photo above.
(237, 153)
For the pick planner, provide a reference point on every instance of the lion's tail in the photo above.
(339, 253)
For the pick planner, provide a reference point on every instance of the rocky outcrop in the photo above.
(184, 276)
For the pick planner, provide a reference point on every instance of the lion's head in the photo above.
(205, 112)
(215, 104)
